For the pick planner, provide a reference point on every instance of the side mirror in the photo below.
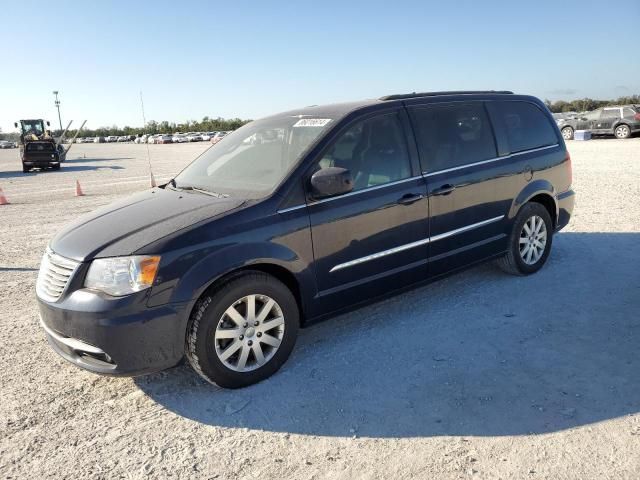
(331, 181)
(48, 124)
(15, 124)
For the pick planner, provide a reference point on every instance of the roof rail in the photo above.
(402, 96)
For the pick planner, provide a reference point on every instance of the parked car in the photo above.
(194, 137)
(621, 121)
(179, 138)
(6, 144)
(123, 139)
(98, 140)
(349, 203)
(207, 136)
(111, 139)
(218, 136)
(164, 139)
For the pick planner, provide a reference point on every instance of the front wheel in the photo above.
(529, 241)
(567, 133)
(242, 331)
(622, 131)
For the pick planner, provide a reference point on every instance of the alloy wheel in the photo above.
(567, 133)
(533, 240)
(622, 131)
(249, 333)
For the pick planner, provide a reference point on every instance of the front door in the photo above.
(588, 121)
(373, 239)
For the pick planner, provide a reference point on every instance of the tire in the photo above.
(622, 131)
(516, 262)
(56, 167)
(25, 169)
(212, 333)
(567, 133)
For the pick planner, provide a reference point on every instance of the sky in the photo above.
(249, 59)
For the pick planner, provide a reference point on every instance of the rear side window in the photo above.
(525, 125)
(450, 136)
(611, 113)
(628, 112)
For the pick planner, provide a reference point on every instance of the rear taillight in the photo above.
(637, 116)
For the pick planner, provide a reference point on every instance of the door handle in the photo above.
(410, 198)
(445, 189)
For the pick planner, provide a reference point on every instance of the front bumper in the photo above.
(566, 201)
(115, 336)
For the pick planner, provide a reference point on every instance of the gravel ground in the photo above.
(480, 375)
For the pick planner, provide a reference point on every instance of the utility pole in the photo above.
(57, 103)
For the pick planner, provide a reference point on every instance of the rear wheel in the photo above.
(567, 133)
(55, 167)
(622, 131)
(529, 242)
(242, 331)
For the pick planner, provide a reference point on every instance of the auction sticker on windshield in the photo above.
(312, 122)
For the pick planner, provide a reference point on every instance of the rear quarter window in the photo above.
(524, 124)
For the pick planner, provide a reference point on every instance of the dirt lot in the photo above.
(481, 375)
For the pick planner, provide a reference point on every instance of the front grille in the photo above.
(55, 273)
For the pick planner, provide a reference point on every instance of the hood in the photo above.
(125, 226)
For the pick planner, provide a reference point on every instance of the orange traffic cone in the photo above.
(3, 199)
(153, 180)
(79, 192)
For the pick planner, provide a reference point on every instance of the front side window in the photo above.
(452, 135)
(253, 160)
(595, 115)
(373, 150)
(525, 125)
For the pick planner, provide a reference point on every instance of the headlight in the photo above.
(122, 275)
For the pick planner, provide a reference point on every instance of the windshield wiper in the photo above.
(198, 189)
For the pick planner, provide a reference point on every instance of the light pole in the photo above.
(57, 103)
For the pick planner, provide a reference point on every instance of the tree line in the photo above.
(152, 127)
(588, 104)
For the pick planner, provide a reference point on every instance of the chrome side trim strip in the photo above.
(417, 243)
(451, 233)
(397, 182)
(384, 253)
(291, 209)
(446, 170)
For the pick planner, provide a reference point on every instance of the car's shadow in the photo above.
(64, 168)
(90, 160)
(479, 353)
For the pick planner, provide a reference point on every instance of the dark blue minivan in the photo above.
(298, 216)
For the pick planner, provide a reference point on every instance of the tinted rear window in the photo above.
(40, 147)
(525, 125)
(452, 135)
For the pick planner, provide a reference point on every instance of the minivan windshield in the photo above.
(253, 160)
